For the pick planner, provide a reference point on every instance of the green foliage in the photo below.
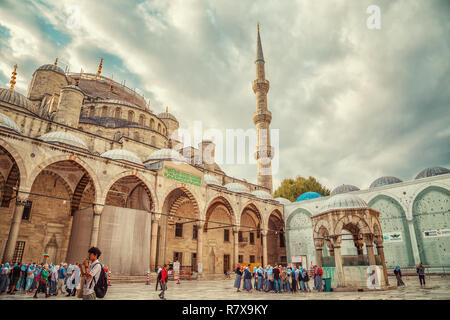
(291, 189)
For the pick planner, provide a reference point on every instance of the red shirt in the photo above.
(163, 275)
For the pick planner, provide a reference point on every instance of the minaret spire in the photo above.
(100, 65)
(13, 78)
(262, 118)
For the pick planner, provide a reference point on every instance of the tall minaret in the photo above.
(262, 118)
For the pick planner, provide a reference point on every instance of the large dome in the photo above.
(383, 181)
(51, 67)
(64, 138)
(433, 171)
(209, 179)
(283, 200)
(262, 194)
(166, 154)
(344, 201)
(13, 97)
(167, 115)
(121, 154)
(7, 123)
(308, 196)
(237, 187)
(344, 189)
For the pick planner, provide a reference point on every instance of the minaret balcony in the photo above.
(263, 152)
(265, 117)
(260, 85)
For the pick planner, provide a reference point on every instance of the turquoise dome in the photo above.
(308, 196)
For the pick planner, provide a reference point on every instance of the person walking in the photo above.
(164, 278)
(71, 284)
(276, 279)
(237, 280)
(92, 269)
(421, 272)
(398, 276)
(54, 280)
(30, 277)
(300, 277)
(43, 278)
(62, 276)
(248, 279)
(294, 280)
(158, 277)
(15, 276)
(318, 278)
(305, 279)
(4, 278)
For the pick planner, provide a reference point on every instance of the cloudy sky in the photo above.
(351, 103)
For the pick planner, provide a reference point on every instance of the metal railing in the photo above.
(429, 270)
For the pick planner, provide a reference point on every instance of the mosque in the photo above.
(85, 161)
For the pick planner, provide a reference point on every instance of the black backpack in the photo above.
(101, 284)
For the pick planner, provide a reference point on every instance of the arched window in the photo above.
(104, 111)
(153, 141)
(130, 115)
(152, 124)
(118, 113)
(142, 120)
(91, 111)
(159, 127)
(136, 136)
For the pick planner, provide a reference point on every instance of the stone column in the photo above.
(236, 247)
(98, 210)
(380, 250)
(414, 246)
(265, 258)
(155, 223)
(339, 267)
(360, 249)
(19, 205)
(319, 253)
(370, 254)
(200, 244)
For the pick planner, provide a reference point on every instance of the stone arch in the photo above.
(78, 192)
(177, 192)
(142, 120)
(57, 176)
(12, 153)
(152, 124)
(131, 115)
(355, 222)
(419, 191)
(250, 205)
(145, 182)
(321, 226)
(72, 158)
(104, 111)
(214, 203)
(290, 230)
(118, 113)
(159, 127)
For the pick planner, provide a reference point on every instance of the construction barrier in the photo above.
(148, 278)
(109, 277)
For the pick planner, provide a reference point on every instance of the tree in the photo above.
(291, 189)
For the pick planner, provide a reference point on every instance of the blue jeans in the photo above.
(52, 287)
(287, 286)
(260, 283)
(277, 285)
(302, 285)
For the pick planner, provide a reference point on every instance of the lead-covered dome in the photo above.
(64, 138)
(343, 189)
(209, 179)
(51, 67)
(167, 115)
(237, 187)
(383, 181)
(14, 97)
(308, 196)
(166, 154)
(262, 194)
(433, 171)
(121, 154)
(7, 123)
(344, 201)
(283, 200)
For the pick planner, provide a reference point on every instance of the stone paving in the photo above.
(437, 288)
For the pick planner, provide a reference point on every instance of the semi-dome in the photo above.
(166, 154)
(343, 189)
(14, 97)
(237, 187)
(64, 138)
(344, 201)
(383, 181)
(7, 123)
(433, 171)
(283, 200)
(209, 179)
(167, 115)
(308, 196)
(121, 154)
(51, 67)
(262, 194)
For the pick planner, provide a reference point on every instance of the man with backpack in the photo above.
(305, 278)
(96, 282)
(158, 278)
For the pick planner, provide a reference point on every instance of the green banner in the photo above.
(182, 176)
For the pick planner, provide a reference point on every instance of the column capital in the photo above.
(21, 199)
(156, 217)
(98, 209)
(200, 225)
(264, 233)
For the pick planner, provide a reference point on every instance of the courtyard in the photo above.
(437, 288)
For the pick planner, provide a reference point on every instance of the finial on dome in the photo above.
(13, 78)
(56, 62)
(99, 71)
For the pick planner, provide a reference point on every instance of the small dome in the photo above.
(344, 201)
(262, 194)
(166, 154)
(65, 138)
(13, 97)
(209, 179)
(7, 123)
(237, 187)
(283, 200)
(343, 189)
(52, 67)
(308, 196)
(167, 115)
(121, 154)
(433, 171)
(383, 181)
